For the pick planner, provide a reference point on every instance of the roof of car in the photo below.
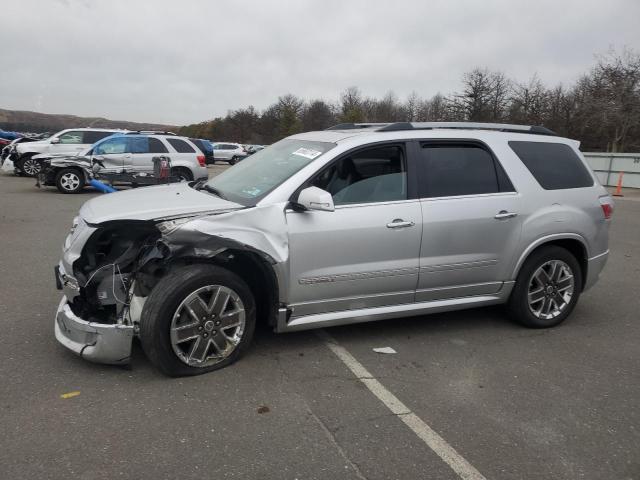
(402, 126)
(342, 132)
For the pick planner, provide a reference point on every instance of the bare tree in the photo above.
(351, 106)
(411, 107)
(317, 115)
(529, 102)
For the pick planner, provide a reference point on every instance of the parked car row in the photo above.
(70, 159)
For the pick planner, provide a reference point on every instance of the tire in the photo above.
(163, 318)
(553, 278)
(70, 180)
(182, 174)
(29, 167)
(233, 161)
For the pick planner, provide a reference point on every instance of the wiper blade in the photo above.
(214, 190)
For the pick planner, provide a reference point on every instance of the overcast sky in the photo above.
(184, 61)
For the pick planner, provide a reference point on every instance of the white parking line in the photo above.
(434, 441)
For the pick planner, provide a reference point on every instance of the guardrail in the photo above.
(607, 167)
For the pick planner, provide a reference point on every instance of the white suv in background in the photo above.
(126, 153)
(229, 152)
(66, 142)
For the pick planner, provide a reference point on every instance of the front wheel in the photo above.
(69, 180)
(547, 288)
(30, 167)
(197, 319)
(233, 161)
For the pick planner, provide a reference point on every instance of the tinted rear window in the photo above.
(180, 145)
(554, 165)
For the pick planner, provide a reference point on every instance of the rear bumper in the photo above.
(594, 267)
(96, 342)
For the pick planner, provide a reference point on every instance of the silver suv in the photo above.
(357, 223)
(229, 152)
(66, 142)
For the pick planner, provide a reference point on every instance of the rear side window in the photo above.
(156, 146)
(554, 165)
(92, 137)
(449, 170)
(180, 145)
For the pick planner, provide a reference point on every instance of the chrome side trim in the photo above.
(345, 317)
(595, 265)
(343, 277)
(605, 253)
(457, 266)
(293, 306)
(457, 291)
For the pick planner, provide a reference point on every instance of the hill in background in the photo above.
(23, 121)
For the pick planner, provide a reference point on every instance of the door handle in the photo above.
(400, 223)
(503, 214)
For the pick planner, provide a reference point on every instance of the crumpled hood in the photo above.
(151, 203)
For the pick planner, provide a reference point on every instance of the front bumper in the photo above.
(96, 342)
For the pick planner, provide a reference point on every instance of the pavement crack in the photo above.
(334, 442)
(330, 436)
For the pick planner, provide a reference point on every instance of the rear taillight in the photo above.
(607, 206)
(201, 160)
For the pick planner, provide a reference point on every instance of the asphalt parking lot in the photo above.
(513, 403)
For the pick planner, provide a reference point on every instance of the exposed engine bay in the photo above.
(123, 260)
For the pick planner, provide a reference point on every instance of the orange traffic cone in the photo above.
(618, 192)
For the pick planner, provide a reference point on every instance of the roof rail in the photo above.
(148, 132)
(354, 126)
(400, 126)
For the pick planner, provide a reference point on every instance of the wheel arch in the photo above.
(58, 168)
(572, 242)
(180, 167)
(254, 270)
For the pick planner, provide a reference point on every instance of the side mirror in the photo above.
(55, 140)
(314, 198)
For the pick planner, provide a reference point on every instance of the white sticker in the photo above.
(307, 153)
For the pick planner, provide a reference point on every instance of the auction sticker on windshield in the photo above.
(307, 153)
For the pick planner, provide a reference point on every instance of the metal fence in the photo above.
(607, 167)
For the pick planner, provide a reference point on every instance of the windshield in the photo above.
(254, 177)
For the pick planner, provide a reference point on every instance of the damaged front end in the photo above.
(97, 275)
(108, 270)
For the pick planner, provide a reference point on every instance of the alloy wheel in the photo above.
(70, 181)
(31, 167)
(550, 289)
(207, 326)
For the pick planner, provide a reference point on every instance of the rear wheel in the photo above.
(547, 288)
(69, 180)
(199, 318)
(181, 174)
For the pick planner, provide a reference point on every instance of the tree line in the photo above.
(601, 109)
